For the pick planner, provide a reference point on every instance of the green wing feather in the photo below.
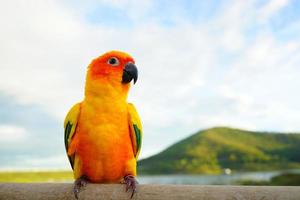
(135, 127)
(70, 124)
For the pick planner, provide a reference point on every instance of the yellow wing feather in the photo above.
(70, 124)
(135, 126)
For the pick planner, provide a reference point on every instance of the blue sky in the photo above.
(201, 64)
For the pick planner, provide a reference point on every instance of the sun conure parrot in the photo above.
(103, 133)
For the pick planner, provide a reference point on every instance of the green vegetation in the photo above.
(210, 151)
(289, 179)
(29, 177)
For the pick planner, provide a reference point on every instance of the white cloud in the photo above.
(11, 133)
(56, 161)
(32, 162)
(191, 75)
(271, 8)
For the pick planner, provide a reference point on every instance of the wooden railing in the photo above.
(63, 191)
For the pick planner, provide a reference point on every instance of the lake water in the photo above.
(211, 179)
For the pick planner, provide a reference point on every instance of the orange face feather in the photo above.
(102, 76)
(100, 67)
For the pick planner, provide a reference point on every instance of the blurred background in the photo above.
(218, 88)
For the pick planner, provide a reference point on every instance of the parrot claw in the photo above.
(79, 184)
(131, 183)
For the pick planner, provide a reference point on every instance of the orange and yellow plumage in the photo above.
(103, 132)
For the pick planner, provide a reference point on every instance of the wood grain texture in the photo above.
(63, 191)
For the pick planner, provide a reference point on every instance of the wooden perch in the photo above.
(63, 191)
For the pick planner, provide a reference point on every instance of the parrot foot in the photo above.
(131, 183)
(79, 184)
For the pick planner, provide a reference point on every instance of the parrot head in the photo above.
(114, 70)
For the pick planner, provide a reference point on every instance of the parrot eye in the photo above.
(113, 61)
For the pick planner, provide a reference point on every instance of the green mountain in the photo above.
(211, 151)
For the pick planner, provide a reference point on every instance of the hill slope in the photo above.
(212, 150)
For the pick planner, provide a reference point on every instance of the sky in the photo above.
(201, 64)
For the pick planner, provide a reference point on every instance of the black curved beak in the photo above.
(130, 72)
